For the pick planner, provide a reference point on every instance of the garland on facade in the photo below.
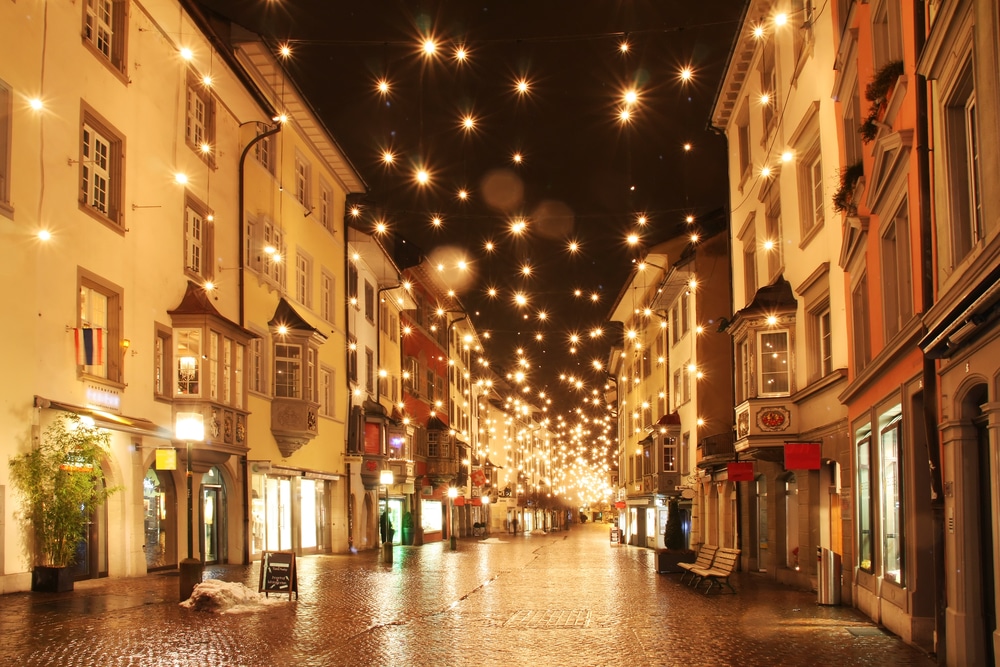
(843, 198)
(877, 92)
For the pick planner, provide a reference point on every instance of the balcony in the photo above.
(662, 482)
(766, 423)
(716, 449)
(293, 423)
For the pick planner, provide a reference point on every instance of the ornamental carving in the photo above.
(774, 419)
(228, 429)
(743, 424)
(241, 429)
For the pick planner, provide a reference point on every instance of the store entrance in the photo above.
(159, 501)
(213, 518)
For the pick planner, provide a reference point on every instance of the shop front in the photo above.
(289, 510)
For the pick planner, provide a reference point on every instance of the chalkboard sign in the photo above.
(277, 573)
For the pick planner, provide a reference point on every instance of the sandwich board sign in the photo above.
(277, 573)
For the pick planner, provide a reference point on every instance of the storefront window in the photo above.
(865, 542)
(430, 516)
(257, 514)
(890, 451)
(158, 521)
(307, 510)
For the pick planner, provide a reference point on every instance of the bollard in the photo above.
(191, 572)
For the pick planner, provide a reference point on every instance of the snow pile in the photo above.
(223, 597)
(492, 540)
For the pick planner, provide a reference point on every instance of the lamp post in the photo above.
(386, 479)
(190, 427)
(452, 494)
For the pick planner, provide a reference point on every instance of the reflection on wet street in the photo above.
(565, 598)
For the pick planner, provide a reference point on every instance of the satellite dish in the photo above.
(687, 494)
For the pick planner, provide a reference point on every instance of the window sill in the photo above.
(103, 219)
(103, 59)
(6, 210)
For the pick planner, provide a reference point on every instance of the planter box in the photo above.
(666, 561)
(51, 579)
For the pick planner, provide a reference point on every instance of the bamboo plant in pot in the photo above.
(60, 484)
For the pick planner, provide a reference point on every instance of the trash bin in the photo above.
(829, 571)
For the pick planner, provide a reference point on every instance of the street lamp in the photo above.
(386, 479)
(452, 494)
(190, 427)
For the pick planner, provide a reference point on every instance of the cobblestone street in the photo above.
(566, 598)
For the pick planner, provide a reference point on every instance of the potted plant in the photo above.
(407, 528)
(676, 550)
(60, 484)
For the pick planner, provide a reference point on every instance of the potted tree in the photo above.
(407, 528)
(60, 484)
(676, 550)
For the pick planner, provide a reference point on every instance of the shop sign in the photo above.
(620, 504)
(459, 501)
(277, 573)
(166, 459)
(803, 455)
(740, 472)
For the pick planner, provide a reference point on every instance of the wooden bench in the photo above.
(703, 562)
(718, 574)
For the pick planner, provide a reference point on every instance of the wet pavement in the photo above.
(566, 598)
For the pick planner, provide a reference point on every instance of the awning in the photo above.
(109, 420)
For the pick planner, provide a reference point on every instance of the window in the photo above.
(198, 239)
(326, 405)
(287, 370)
(687, 381)
(312, 391)
(669, 454)
(851, 122)
(326, 206)
(775, 374)
(101, 177)
(303, 280)
(100, 308)
(369, 302)
(257, 365)
(749, 268)
(866, 545)
(768, 87)
(743, 140)
(773, 241)
(263, 153)
(188, 355)
(821, 350)
(896, 281)
(161, 363)
(303, 177)
(810, 179)
(963, 165)
(685, 311)
(238, 384)
(431, 382)
(105, 30)
(266, 250)
(674, 325)
(887, 38)
(352, 283)
(199, 125)
(369, 371)
(891, 525)
(213, 366)
(6, 123)
(677, 388)
(743, 385)
(859, 326)
(328, 303)
(352, 360)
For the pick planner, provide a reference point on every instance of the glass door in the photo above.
(212, 523)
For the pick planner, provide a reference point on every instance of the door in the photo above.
(986, 527)
(762, 543)
(212, 518)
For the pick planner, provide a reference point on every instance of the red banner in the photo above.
(803, 455)
(620, 504)
(740, 472)
(459, 501)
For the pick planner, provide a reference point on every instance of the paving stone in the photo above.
(565, 598)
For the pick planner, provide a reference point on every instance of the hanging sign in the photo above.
(803, 455)
(277, 573)
(166, 459)
(740, 472)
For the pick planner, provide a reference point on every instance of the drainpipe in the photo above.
(241, 212)
(241, 253)
(929, 376)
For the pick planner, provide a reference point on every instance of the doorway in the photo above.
(986, 527)
(762, 543)
(92, 549)
(213, 518)
(159, 503)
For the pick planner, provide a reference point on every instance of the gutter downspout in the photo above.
(929, 374)
(240, 252)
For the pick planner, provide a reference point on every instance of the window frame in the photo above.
(92, 127)
(303, 181)
(326, 206)
(892, 495)
(865, 499)
(115, 58)
(303, 279)
(328, 295)
(111, 372)
(206, 244)
(369, 302)
(897, 274)
(263, 153)
(964, 176)
(294, 364)
(761, 352)
(162, 362)
(198, 92)
(861, 343)
(327, 391)
(6, 141)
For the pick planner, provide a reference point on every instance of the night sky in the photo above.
(585, 174)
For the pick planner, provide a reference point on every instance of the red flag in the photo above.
(89, 346)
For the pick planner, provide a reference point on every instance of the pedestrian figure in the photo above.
(385, 527)
(514, 523)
